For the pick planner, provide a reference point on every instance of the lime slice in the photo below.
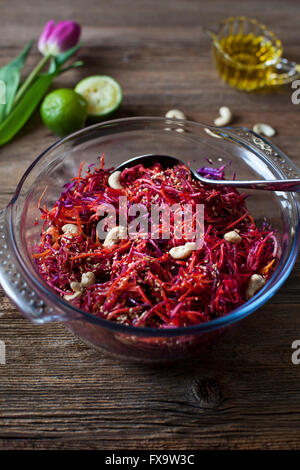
(102, 93)
(64, 111)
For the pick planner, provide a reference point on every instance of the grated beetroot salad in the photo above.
(136, 281)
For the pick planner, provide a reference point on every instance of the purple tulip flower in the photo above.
(57, 38)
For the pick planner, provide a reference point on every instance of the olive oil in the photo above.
(246, 61)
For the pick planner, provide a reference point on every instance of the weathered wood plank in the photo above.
(55, 392)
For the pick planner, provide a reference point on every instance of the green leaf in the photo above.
(74, 65)
(10, 75)
(58, 61)
(24, 108)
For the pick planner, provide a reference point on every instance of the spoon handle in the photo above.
(292, 185)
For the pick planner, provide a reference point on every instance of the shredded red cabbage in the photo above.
(137, 282)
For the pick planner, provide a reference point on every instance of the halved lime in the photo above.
(103, 95)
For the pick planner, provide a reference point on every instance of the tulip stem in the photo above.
(31, 77)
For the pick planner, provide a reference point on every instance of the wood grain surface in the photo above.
(243, 393)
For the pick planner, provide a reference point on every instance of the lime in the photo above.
(64, 111)
(103, 95)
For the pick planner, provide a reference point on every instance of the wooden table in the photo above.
(57, 393)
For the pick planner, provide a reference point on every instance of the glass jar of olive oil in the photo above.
(248, 56)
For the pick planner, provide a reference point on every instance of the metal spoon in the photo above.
(292, 185)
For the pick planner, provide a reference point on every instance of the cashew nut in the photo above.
(175, 114)
(114, 236)
(225, 116)
(264, 129)
(53, 232)
(76, 286)
(233, 237)
(87, 279)
(213, 134)
(70, 229)
(183, 251)
(72, 296)
(114, 180)
(256, 282)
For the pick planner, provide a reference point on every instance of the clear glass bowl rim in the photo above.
(241, 312)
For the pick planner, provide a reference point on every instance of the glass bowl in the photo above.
(247, 154)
